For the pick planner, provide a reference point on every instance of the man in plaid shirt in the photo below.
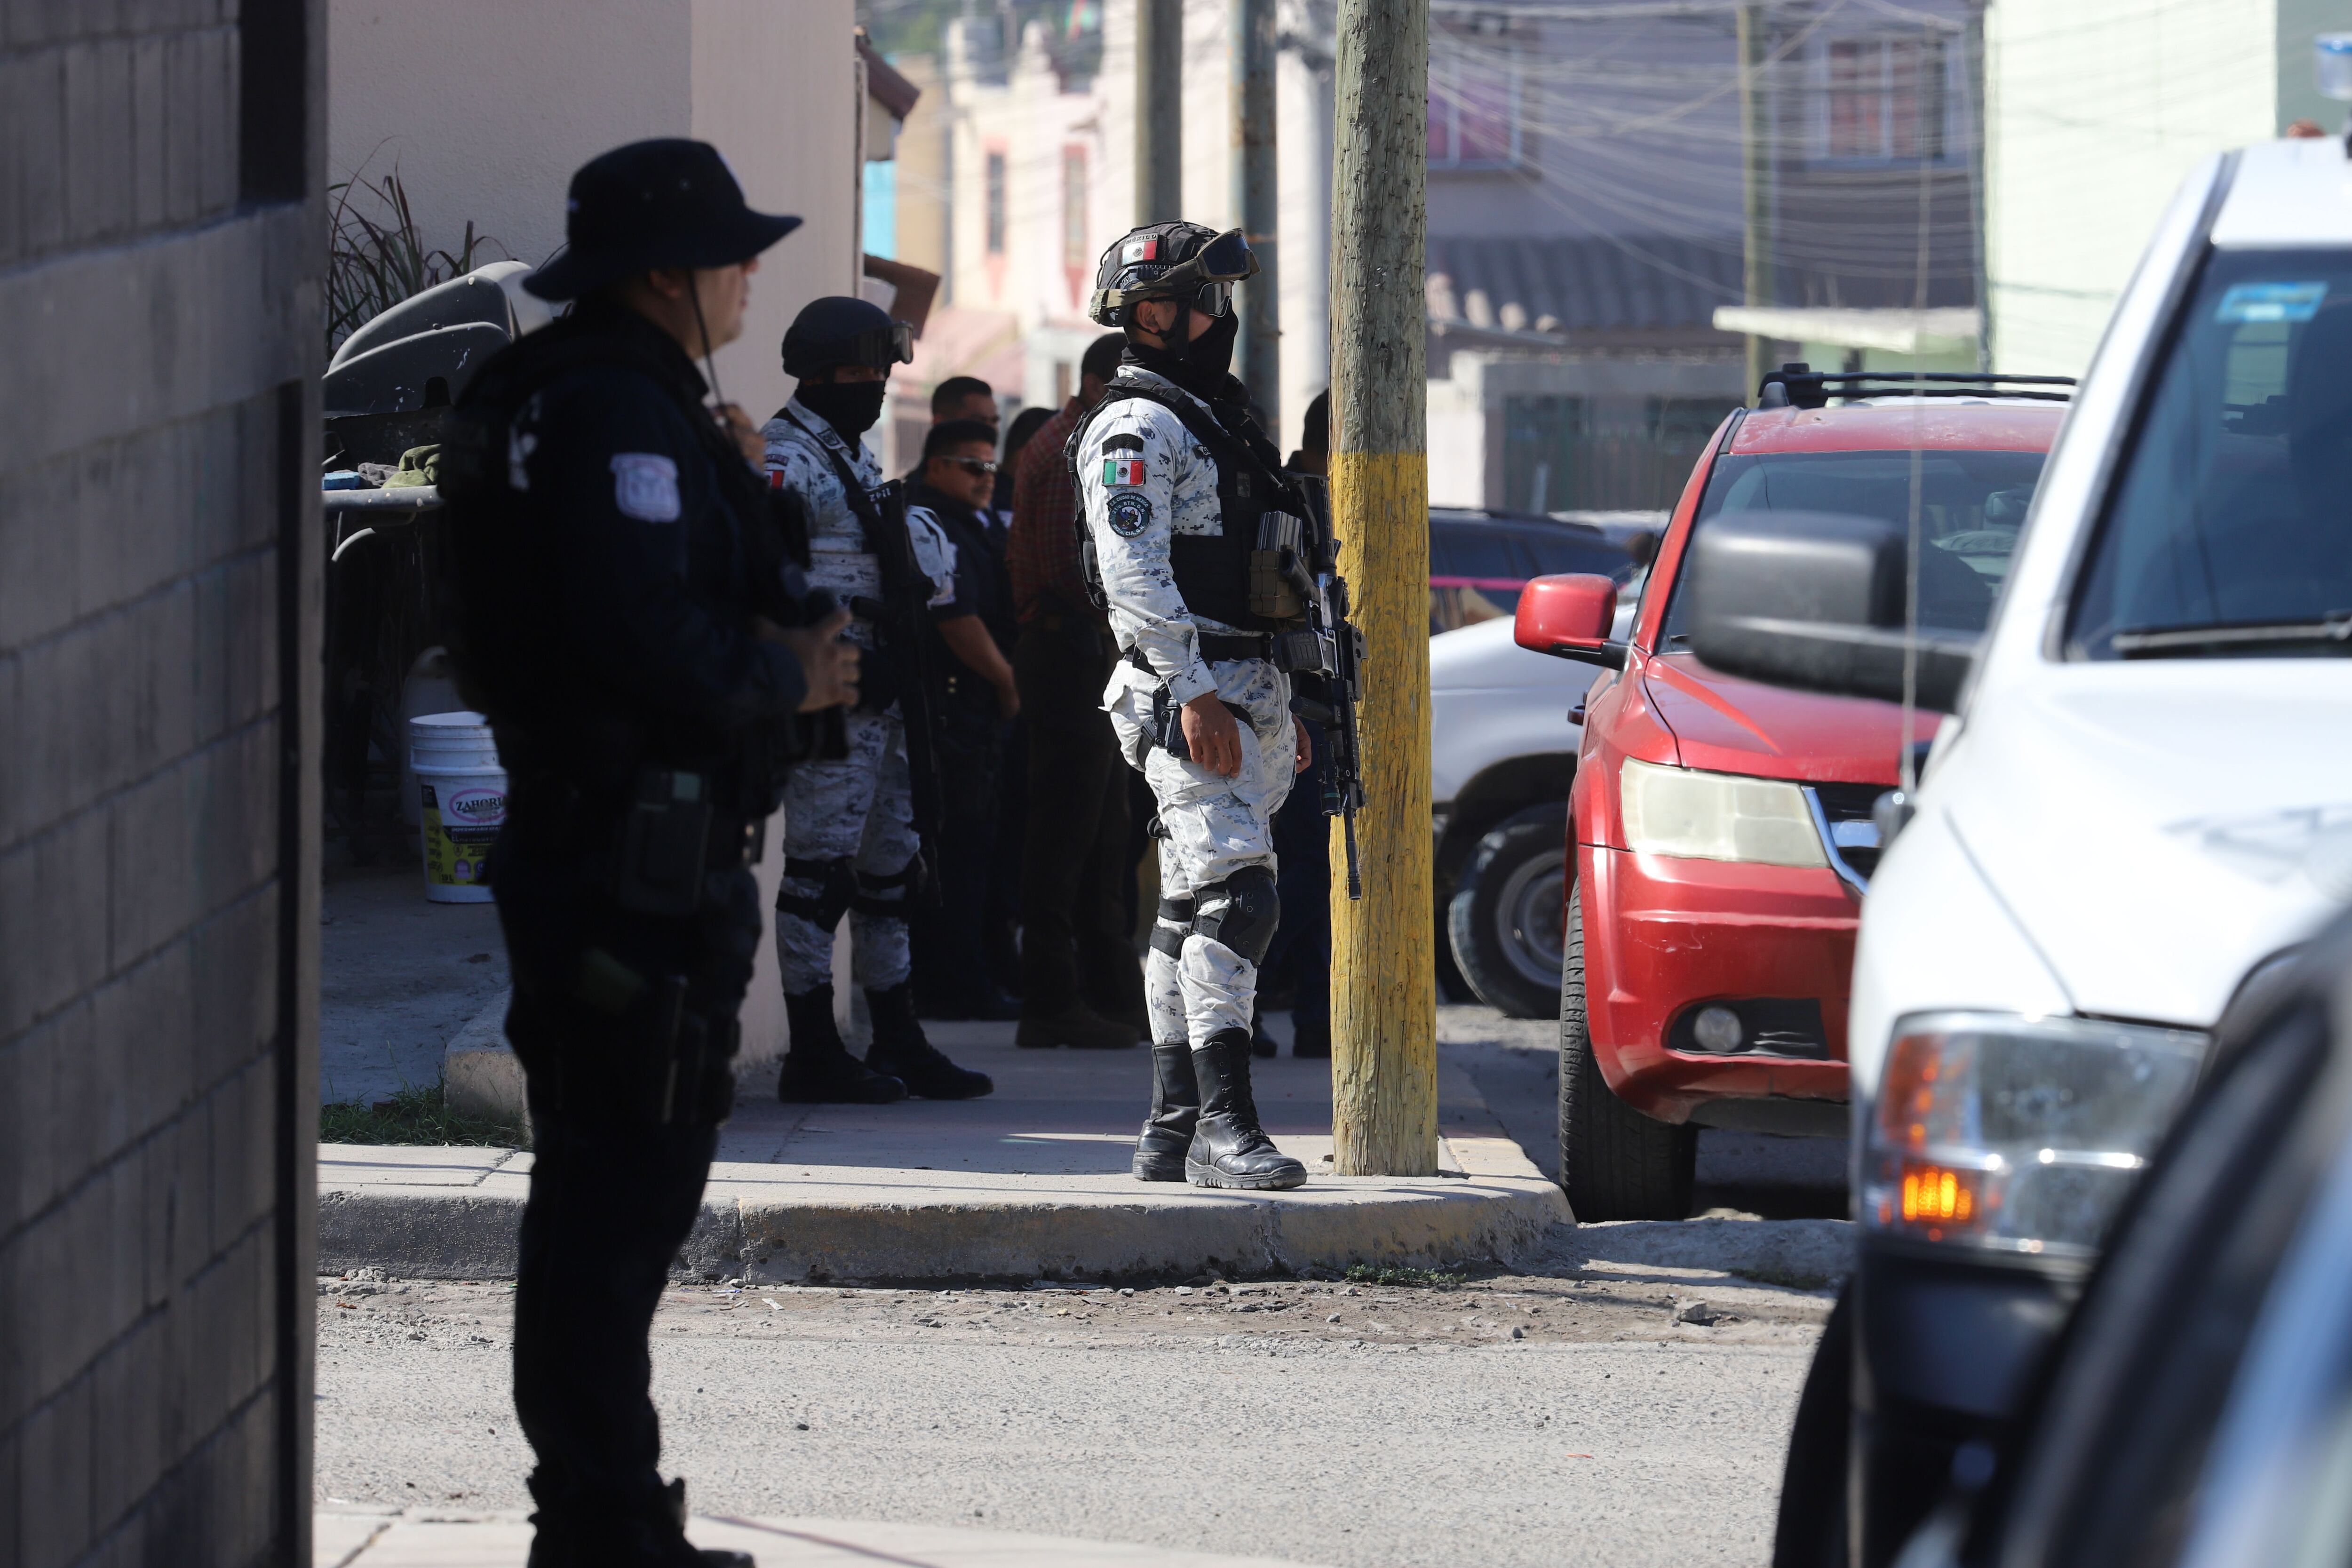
(1080, 982)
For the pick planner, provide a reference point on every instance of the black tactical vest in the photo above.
(1212, 569)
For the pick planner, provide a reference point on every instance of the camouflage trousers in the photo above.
(850, 848)
(1213, 827)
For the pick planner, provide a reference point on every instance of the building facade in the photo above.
(2097, 110)
(162, 250)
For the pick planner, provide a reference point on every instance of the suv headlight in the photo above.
(1717, 816)
(2018, 1134)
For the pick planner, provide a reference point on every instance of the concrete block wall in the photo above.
(160, 282)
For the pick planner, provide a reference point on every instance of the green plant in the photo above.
(1383, 1274)
(373, 262)
(415, 1116)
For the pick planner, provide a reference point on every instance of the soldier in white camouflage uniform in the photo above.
(1172, 476)
(850, 842)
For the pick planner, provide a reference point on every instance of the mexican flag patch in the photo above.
(1122, 470)
(1136, 250)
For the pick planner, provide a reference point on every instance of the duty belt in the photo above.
(1216, 647)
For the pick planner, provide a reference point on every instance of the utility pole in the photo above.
(1258, 358)
(1383, 979)
(1755, 177)
(1159, 110)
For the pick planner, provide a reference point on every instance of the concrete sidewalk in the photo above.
(1030, 1182)
(426, 1537)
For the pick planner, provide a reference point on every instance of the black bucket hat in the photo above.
(668, 202)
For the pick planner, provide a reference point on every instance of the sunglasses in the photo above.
(971, 465)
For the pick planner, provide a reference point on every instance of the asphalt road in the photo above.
(1415, 1430)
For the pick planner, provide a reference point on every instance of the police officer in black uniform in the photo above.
(651, 664)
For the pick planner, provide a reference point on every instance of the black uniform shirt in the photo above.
(646, 588)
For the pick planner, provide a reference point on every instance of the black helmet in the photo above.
(839, 330)
(668, 202)
(1170, 261)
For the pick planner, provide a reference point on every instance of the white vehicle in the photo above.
(1504, 724)
(2140, 803)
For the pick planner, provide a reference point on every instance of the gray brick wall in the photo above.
(158, 802)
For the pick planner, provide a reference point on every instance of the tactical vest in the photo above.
(1236, 574)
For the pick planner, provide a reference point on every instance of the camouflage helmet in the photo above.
(1170, 261)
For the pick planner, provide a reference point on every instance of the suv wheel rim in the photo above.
(1530, 915)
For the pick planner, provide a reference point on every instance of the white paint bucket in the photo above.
(461, 793)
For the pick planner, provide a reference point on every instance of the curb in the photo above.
(845, 1223)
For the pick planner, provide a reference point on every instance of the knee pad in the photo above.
(837, 890)
(1241, 911)
(908, 879)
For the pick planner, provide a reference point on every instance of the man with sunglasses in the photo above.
(972, 701)
(851, 846)
(1177, 486)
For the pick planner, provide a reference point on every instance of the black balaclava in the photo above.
(1202, 366)
(850, 407)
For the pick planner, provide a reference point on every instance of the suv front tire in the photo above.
(1614, 1161)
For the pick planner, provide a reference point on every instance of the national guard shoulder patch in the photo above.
(1117, 470)
(1130, 514)
(645, 486)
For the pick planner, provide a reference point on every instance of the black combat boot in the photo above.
(900, 1050)
(1229, 1148)
(649, 1534)
(818, 1068)
(1175, 1106)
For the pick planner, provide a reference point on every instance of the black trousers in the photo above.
(615, 1188)
(949, 944)
(1074, 944)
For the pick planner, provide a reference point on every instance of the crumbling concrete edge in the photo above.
(480, 1074)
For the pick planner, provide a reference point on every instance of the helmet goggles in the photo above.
(881, 347)
(1204, 279)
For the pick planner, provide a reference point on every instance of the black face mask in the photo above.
(1211, 354)
(850, 407)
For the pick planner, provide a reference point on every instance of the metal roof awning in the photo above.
(1944, 330)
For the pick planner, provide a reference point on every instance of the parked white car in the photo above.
(1504, 724)
(2140, 803)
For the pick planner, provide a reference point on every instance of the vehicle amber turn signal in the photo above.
(1938, 1194)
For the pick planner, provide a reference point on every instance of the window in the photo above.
(2228, 535)
(1476, 109)
(1971, 505)
(1886, 99)
(995, 214)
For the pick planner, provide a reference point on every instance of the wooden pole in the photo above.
(1159, 110)
(1754, 183)
(1257, 358)
(1383, 974)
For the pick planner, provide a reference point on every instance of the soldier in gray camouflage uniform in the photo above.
(1172, 477)
(850, 843)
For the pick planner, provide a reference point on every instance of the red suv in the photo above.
(1722, 830)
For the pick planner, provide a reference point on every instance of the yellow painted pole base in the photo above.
(1383, 974)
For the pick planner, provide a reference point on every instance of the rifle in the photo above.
(1328, 696)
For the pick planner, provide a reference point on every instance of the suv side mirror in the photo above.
(1569, 617)
(1815, 600)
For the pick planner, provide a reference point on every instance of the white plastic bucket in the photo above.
(461, 795)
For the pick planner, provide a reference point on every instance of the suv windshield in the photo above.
(2230, 532)
(1970, 505)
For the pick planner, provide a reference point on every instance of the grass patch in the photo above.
(415, 1116)
(1428, 1279)
(1788, 1278)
